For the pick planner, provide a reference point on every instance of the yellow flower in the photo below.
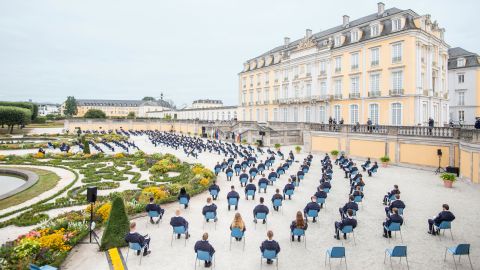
(104, 211)
(119, 155)
(204, 182)
(39, 155)
(158, 193)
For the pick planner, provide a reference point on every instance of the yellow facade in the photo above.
(362, 148)
(422, 154)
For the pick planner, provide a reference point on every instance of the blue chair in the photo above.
(347, 230)
(183, 200)
(233, 201)
(237, 233)
(230, 174)
(237, 170)
(277, 203)
(243, 180)
(45, 267)
(136, 248)
(209, 216)
(336, 253)
(299, 232)
(305, 170)
(296, 183)
(269, 255)
(312, 214)
(214, 192)
(394, 227)
(204, 256)
(272, 179)
(244, 166)
(459, 250)
(253, 174)
(250, 192)
(358, 199)
(262, 186)
(281, 171)
(154, 214)
(262, 217)
(217, 170)
(179, 230)
(327, 190)
(289, 192)
(445, 225)
(322, 200)
(397, 251)
(301, 176)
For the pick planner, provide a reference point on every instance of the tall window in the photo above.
(285, 115)
(285, 91)
(250, 115)
(295, 114)
(321, 114)
(374, 30)
(424, 112)
(285, 74)
(397, 80)
(354, 88)
(375, 83)
(259, 95)
(396, 114)
(258, 115)
(354, 60)
(251, 96)
(353, 114)
(296, 92)
(374, 113)
(309, 69)
(265, 115)
(461, 98)
(323, 88)
(461, 78)
(461, 116)
(275, 114)
(309, 90)
(354, 36)
(277, 75)
(338, 87)
(338, 41)
(259, 78)
(396, 24)
(244, 97)
(267, 94)
(307, 114)
(375, 54)
(267, 77)
(244, 82)
(295, 72)
(337, 113)
(396, 52)
(435, 112)
(323, 66)
(338, 64)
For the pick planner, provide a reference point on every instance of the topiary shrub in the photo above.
(117, 226)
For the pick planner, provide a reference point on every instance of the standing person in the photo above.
(134, 237)
(183, 194)
(238, 223)
(270, 244)
(431, 123)
(477, 123)
(369, 125)
(152, 206)
(204, 245)
(298, 223)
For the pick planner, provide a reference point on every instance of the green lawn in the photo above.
(47, 180)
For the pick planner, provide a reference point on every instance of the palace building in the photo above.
(120, 108)
(389, 66)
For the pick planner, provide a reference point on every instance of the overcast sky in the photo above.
(185, 49)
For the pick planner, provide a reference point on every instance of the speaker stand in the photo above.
(90, 228)
(439, 169)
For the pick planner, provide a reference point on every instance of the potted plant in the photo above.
(385, 160)
(277, 146)
(334, 154)
(298, 149)
(244, 141)
(448, 179)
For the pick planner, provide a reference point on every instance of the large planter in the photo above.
(447, 183)
(385, 164)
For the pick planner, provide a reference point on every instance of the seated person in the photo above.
(357, 192)
(178, 221)
(271, 175)
(183, 194)
(217, 168)
(373, 168)
(214, 186)
(239, 224)
(229, 170)
(261, 208)
(445, 215)
(349, 205)
(325, 184)
(233, 194)
(360, 183)
(320, 194)
(210, 207)
(312, 205)
(204, 245)
(253, 171)
(270, 244)
(288, 186)
(348, 220)
(394, 217)
(366, 164)
(134, 237)
(154, 207)
(298, 223)
(250, 186)
(243, 175)
(397, 203)
(263, 180)
(276, 196)
(237, 167)
(394, 191)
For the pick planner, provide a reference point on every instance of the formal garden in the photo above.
(130, 178)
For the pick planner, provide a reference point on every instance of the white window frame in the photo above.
(374, 30)
(355, 84)
(354, 113)
(375, 82)
(397, 52)
(337, 41)
(461, 78)
(322, 114)
(396, 24)
(375, 56)
(460, 62)
(461, 98)
(354, 59)
(337, 112)
(338, 64)
(396, 119)
(374, 114)
(354, 35)
(397, 79)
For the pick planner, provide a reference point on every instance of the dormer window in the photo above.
(374, 30)
(338, 41)
(460, 62)
(354, 36)
(396, 24)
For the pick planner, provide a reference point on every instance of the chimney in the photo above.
(308, 33)
(381, 8)
(346, 19)
(286, 41)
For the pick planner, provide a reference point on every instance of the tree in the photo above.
(117, 226)
(26, 105)
(12, 116)
(95, 113)
(131, 115)
(167, 117)
(148, 99)
(86, 146)
(70, 106)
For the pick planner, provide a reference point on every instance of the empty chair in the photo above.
(336, 253)
(299, 233)
(459, 250)
(445, 225)
(133, 246)
(237, 233)
(394, 227)
(347, 230)
(397, 251)
(179, 230)
(45, 267)
(269, 255)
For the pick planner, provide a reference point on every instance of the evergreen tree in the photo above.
(117, 226)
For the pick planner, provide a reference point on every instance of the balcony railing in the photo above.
(337, 96)
(354, 67)
(250, 103)
(322, 73)
(354, 95)
(374, 93)
(266, 102)
(338, 69)
(258, 102)
(374, 63)
(276, 80)
(276, 101)
(396, 92)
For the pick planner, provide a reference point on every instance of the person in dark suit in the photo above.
(270, 244)
(320, 194)
(214, 186)
(204, 245)
(397, 203)
(237, 167)
(394, 191)
(357, 192)
(312, 205)
(276, 196)
(210, 207)
(325, 184)
(272, 174)
(243, 175)
(349, 205)
(142, 240)
(178, 221)
(262, 180)
(288, 186)
(183, 194)
(233, 194)
(154, 207)
(261, 208)
(366, 164)
(250, 186)
(229, 170)
(374, 167)
(394, 217)
(298, 223)
(445, 215)
(217, 168)
(348, 220)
